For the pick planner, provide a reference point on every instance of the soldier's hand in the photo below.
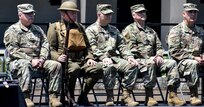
(132, 61)
(158, 60)
(199, 60)
(34, 63)
(62, 58)
(107, 61)
(91, 62)
(41, 62)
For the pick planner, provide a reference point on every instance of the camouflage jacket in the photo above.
(24, 43)
(185, 42)
(106, 42)
(143, 42)
(57, 42)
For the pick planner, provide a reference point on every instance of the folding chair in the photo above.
(35, 76)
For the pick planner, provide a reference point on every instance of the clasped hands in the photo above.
(37, 63)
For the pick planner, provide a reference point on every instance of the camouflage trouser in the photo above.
(23, 69)
(121, 67)
(149, 70)
(76, 69)
(189, 69)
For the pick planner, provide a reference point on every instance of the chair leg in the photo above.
(94, 94)
(119, 89)
(162, 96)
(43, 86)
(33, 91)
(41, 91)
(167, 93)
(202, 86)
(46, 90)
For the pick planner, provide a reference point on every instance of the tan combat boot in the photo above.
(127, 100)
(54, 102)
(150, 101)
(194, 100)
(28, 101)
(173, 100)
(110, 97)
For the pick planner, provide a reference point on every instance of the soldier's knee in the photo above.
(56, 64)
(192, 63)
(172, 62)
(74, 67)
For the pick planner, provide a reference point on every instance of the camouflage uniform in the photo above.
(145, 44)
(25, 44)
(108, 43)
(77, 59)
(185, 43)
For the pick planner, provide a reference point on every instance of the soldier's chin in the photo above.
(192, 20)
(143, 18)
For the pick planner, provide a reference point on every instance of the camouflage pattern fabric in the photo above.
(145, 45)
(25, 44)
(184, 44)
(107, 42)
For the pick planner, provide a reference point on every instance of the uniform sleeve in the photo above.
(123, 47)
(45, 48)
(12, 45)
(159, 51)
(130, 39)
(53, 41)
(175, 49)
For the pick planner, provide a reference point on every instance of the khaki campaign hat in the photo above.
(104, 8)
(25, 8)
(138, 8)
(190, 6)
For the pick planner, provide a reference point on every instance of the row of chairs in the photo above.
(43, 88)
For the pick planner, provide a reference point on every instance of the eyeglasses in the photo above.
(141, 12)
(31, 13)
(192, 11)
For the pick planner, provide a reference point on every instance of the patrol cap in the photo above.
(68, 5)
(138, 8)
(25, 8)
(190, 6)
(104, 8)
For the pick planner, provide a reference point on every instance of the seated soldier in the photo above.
(28, 51)
(78, 55)
(107, 45)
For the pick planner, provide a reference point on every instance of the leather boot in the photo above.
(150, 101)
(28, 101)
(110, 97)
(54, 102)
(127, 100)
(194, 100)
(83, 99)
(173, 99)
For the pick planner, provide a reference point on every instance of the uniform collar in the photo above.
(139, 26)
(23, 27)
